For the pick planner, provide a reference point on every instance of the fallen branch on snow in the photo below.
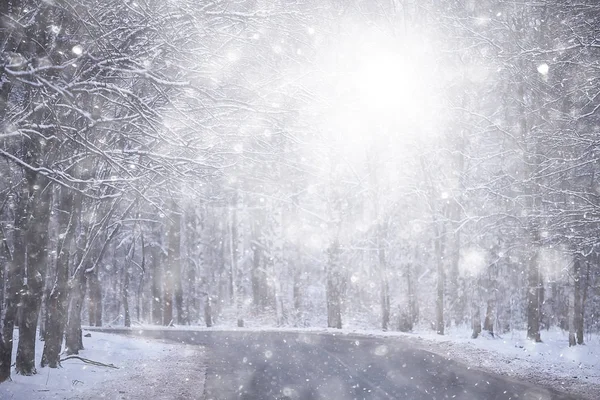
(87, 361)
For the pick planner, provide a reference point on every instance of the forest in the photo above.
(383, 164)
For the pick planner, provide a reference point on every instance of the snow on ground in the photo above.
(168, 371)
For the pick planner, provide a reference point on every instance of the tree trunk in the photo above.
(56, 311)
(175, 262)
(208, 312)
(297, 295)
(577, 304)
(413, 304)
(191, 272)
(56, 305)
(94, 299)
(533, 299)
(140, 310)
(439, 304)
(237, 276)
(14, 284)
(334, 288)
(257, 299)
(3, 290)
(490, 317)
(586, 284)
(10, 314)
(475, 312)
(476, 322)
(167, 316)
(125, 296)
(73, 338)
(488, 323)
(385, 286)
(571, 317)
(156, 256)
(37, 254)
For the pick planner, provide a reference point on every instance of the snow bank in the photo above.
(166, 370)
(574, 370)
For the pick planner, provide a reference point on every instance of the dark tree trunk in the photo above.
(56, 304)
(175, 264)
(11, 303)
(577, 306)
(77, 284)
(571, 313)
(439, 304)
(334, 307)
(191, 303)
(533, 299)
(585, 283)
(167, 317)
(457, 310)
(385, 304)
(14, 284)
(475, 312)
(140, 310)
(94, 299)
(44, 306)
(385, 286)
(73, 338)
(412, 297)
(125, 297)
(194, 253)
(172, 269)
(476, 323)
(3, 344)
(56, 311)
(256, 277)
(238, 294)
(25, 363)
(488, 322)
(335, 286)
(125, 280)
(297, 294)
(490, 317)
(208, 312)
(156, 257)
(37, 253)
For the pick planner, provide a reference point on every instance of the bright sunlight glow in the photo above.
(380, 91)
(391, 82)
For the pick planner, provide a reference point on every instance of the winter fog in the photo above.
(319, 199)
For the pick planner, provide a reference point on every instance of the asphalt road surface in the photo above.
(308, 366)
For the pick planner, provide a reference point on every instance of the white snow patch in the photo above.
(145, 366)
